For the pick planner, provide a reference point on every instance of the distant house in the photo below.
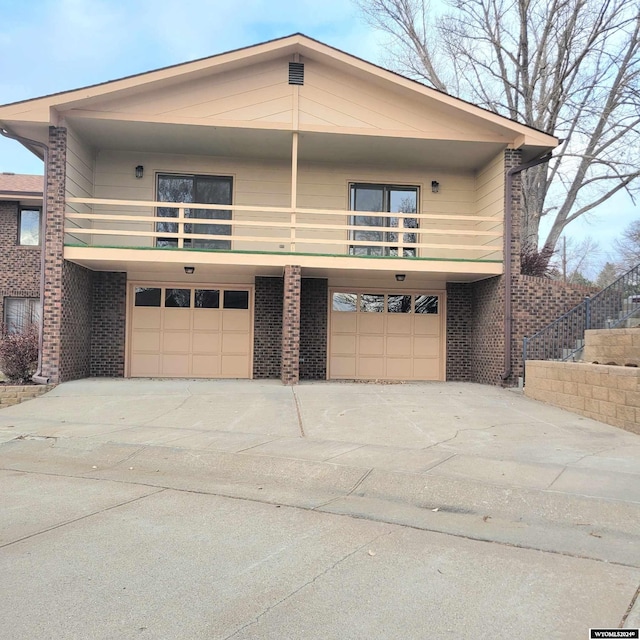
(285, 210)
(20, 213)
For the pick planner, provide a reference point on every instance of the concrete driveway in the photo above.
(119, 513)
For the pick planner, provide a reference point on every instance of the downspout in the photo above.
(508, 230)
(37, 377)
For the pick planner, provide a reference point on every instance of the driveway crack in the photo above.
(308, 583)
(84, 517)
(298, 412)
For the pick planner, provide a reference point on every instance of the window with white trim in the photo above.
(29, 227)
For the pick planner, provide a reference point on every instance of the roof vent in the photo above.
(296, 73)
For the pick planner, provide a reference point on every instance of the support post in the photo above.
(291, 325)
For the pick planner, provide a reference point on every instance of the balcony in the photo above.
(284, 235)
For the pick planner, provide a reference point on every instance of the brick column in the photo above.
(291, 325)
(54, 240)
(513, 158)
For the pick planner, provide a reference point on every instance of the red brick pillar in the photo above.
(54, 246)
(291, 325)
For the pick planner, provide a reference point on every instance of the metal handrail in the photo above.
(563, 338)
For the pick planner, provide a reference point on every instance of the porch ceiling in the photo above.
(369, 150)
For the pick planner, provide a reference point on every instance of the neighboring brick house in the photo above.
(304, 163)
(20, 249)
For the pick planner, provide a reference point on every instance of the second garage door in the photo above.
(386, 336)
(195, 332)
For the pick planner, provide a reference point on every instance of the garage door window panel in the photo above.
(427, 304)
(148, 297)
(236, 299)
(344, 301)
(177, 298)
(399, 304)
(207, 299)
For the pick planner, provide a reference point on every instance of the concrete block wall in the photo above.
(609, 394)
(620, 346)
(15, 394)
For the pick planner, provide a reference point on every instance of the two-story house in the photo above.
(20, 219)
(284, 210)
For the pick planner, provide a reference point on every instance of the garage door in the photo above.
(386, 336)
(199, 332)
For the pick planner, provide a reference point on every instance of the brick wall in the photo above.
(536, 303)
(291, 325)
(487, 337)
(54, 238)
(20, 273)
(76, 322)
(459, 329)
(313, 329)
(108, 324)
(267, 335)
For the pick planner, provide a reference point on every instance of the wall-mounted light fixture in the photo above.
(189, 270)
(400, 277)
(139, 171)
(435, 186)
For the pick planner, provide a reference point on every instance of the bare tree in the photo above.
(576, 262)
(628, 247)
(570, 68)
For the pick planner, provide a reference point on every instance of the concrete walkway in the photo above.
(135, 485)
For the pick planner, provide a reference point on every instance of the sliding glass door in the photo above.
(387, 200)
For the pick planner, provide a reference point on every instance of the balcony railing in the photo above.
(99, 222)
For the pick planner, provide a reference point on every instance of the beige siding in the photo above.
(490, 184)
(327, 186)
(320, 186)
(79, 181)
(254, 183)
(334, 98)
(259, 92)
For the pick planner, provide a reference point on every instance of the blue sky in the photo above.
(54, 45)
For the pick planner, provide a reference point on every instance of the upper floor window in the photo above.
(29, 227)
(197, 189)
(386, 199)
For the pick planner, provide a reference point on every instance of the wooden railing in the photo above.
(101, 222)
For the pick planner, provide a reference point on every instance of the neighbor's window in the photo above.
(29, 227)
(19, 313)
(197, 189)
(387, 200)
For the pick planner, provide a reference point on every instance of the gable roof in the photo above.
(39, 109)
(19, 184)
